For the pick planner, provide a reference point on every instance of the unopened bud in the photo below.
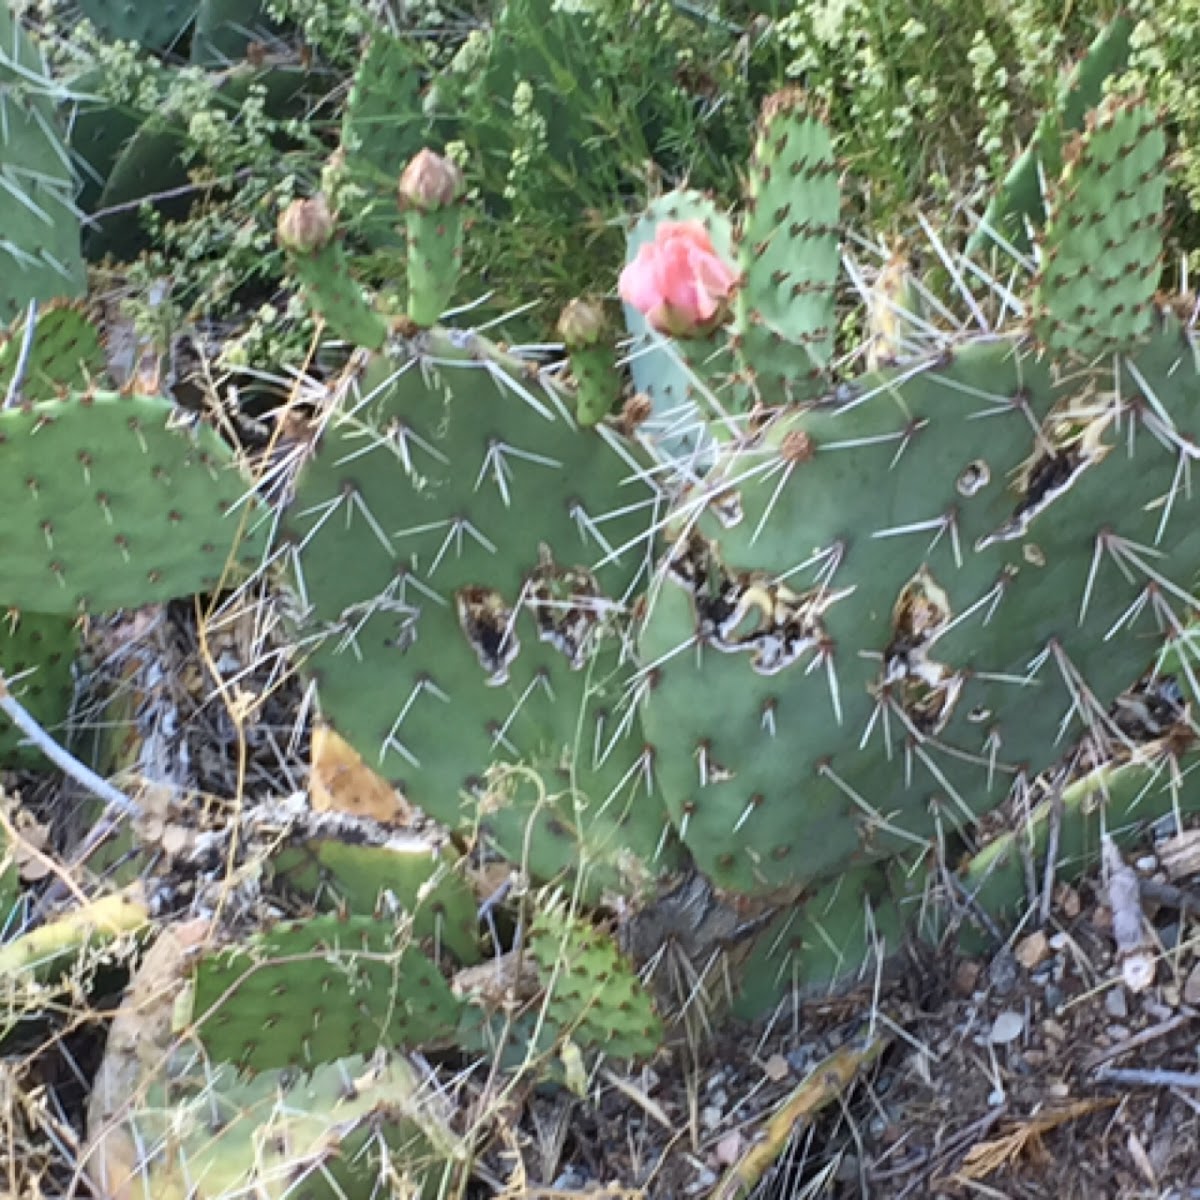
(582, 323)
(430, 182)
(305, 226)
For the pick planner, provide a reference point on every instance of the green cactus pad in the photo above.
(338, 297)
(1018, 204)
(464, 632)
(154, 26)
(207, 1134)
(384, 125)
(108, 502)
(592, 995)
(1102, 247)
(900, 608)
(1119, 800)
(789, 253)
(36, 656)
(316, 990)
(40, 256)
(65, 354)
(361, 878)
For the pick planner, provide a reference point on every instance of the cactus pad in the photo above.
(36, 657)
(40, 254)
(447, 538)
(593, 995)
(363, 879)
(904, 654)
(1102, 247)
(316, 990)
(154, 26)
(108, 503)
(65, 354)
(789, 252)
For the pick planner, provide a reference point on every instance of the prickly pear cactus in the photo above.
(465, 556)
(312, 991)
(593, 996)
(57, 353)
(883, 614)
(40, 256)
(36, 654)
(110, 501)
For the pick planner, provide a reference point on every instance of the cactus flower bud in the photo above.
(305, 226)
(430, 182)
(678, 281)
(582, 323)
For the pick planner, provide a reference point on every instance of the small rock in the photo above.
(1006, 1028)
(1115, 1003)
(1147, 864)
(729, 1149)
(1033, 950)
(776, 1068)
(1003, 973)
(1191, 989)
(1054, 1031)
(710, 1117)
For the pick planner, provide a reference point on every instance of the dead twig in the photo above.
(1136, 1077)
(825, 1083)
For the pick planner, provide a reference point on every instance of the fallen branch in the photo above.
(824, 1084)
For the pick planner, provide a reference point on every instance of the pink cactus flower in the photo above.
(679, 281)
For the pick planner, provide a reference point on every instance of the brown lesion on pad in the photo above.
(747, 611)
(489, 626)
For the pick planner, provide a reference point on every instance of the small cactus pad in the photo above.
(1018, 205)
(789, 253)
(64, 355)
(367, 879)
(40, 255)
(1102, 248)
(312, 991)
(446, 540)
(36, 657)
(107, 501)
(592, 994)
